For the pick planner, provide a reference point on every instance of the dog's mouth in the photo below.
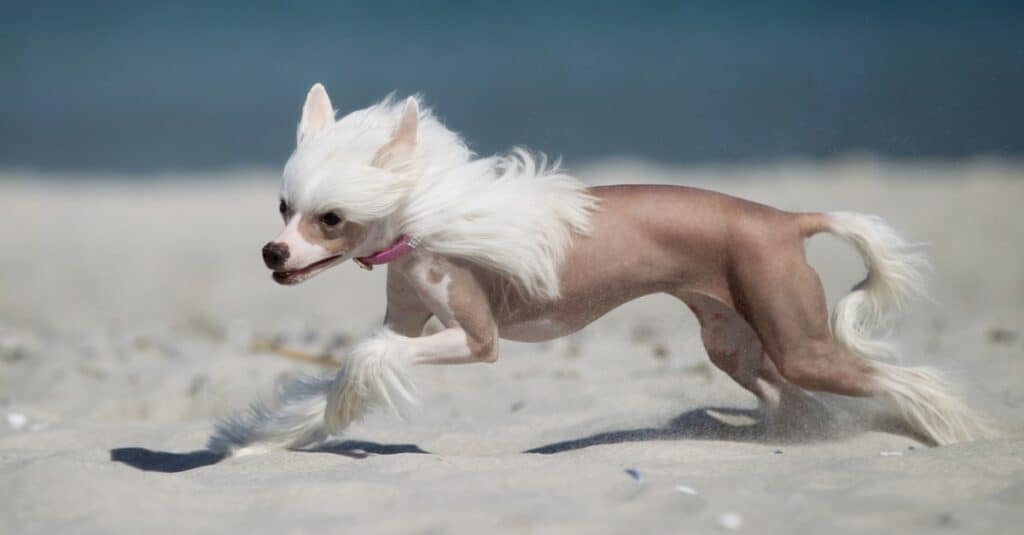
(296, 276)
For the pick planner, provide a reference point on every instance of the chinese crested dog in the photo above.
(508, 247)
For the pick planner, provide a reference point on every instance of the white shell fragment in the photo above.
(16, 420)
(890, 453)
(730, 520)
(683, 489)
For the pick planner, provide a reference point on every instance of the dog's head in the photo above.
(342, 185)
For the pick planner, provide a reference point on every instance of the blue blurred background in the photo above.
(149, 86)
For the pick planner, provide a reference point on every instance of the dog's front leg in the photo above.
(452, 293)
(375, 372)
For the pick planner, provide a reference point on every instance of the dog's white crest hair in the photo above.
(511, 214)
(514, 214)
(332, 168)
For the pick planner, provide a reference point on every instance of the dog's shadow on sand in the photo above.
(164, 461)
(359, 449)
(704, 423)
(170, 462)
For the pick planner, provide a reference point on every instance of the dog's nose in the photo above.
(274, 254)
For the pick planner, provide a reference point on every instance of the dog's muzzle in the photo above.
(275, 254)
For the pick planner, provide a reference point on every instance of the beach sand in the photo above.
(129, 310)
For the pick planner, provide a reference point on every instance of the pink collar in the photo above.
(402, 246)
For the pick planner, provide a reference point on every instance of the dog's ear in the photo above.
(317, 113)
(397, 152)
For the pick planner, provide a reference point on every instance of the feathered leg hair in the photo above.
(309, 410)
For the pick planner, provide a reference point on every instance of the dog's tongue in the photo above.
(400, 248)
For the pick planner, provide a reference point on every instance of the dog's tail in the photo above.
(309, 410)
(895, 277)
(918, 396)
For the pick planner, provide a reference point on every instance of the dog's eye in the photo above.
(283, 207)
(330, 219)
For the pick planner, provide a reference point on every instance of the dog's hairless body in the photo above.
(733, 262)
(503, 248)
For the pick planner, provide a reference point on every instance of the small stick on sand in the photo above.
(272, 348)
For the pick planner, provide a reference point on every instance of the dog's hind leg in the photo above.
(735, 348)
(785, 303)
(731, 344)
(784, 300)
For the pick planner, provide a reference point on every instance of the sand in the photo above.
(128, 313)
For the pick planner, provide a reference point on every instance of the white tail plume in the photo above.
(894, 277)
(928, 403)
(920, 397)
